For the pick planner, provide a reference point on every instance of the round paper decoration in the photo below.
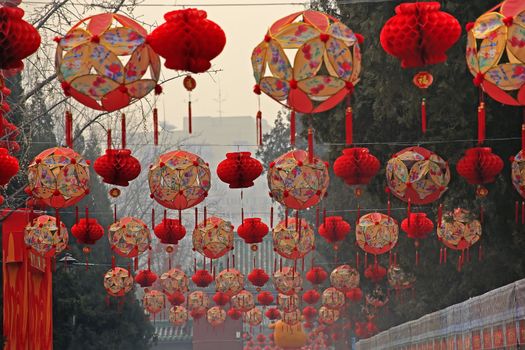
(459, 229)
(216, 316)
(178, 315)
(129, 237)
(287, 280)
(518, 173)
(287, 303)
(173, 281)
(154, 301)
(293, 241)
(213, 238)
(357, 166)
(333, 298)
(229, 281)
(239, 169)
(253, 317)
(376, 233)
(105, 62)
(398, 279)
(118, 281)
(418, 175)
(43, 235)
(59, 177)
(344, 278)
(292, 317)
(495, 54)
(326, 65)
(295, 182)
(198, 300)
(179, 180)
(243, 301)
(328, 316)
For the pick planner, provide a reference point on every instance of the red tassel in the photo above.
(357, 260)
(440, 214)
(113, 264)
(155, 126)
(115, 213)
(417, 257)
(409, 207)
(205, 215)
(110, 141)
(286, 217)
(297, 222)
(423, 116)
(388, 207)
(233, 260)
(516, 211)
(258, 131)
(310, 145)
(481, 123)
(242, 214)
(123, 123)
(271, 217)
(153, 219)
(523, 137)
(349, 126)
(292, 128)
(136, 263)
(69, 129)
(445, 255)
(189, 117)
(523, 213)
(196, 217)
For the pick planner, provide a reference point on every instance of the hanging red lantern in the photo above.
(334, 229)
(265, 298)
(273, 314)
(188, 40)
(479, 166)
(309, 313)
(8, 134)
(261, 338)
(202, 278)
(197, 313)
(170, 231)
(87, 231)
(357, 166)
(239, 169)
(354, 295)
(375, 273)
(417, 226)
(19, 38)
(258, 277)
(145, 278)
(221, 298)
(316, 275)
(234, 313)
(117, 167)
(311, 296)
(252, 231)
(176, 298)
(9, 166)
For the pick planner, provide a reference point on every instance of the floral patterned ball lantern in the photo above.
(154, 301)
(344, 278)
(333, 298)
(253, 317)
(287, 280)
(198, 300)
(459, 229)
(417, 175)
(297, 183)
(398, 279)
(243, 301)
(293, 239)
(328, 316)
(518, 173)
(173, 281)
(179, 180)
(129, 237)
(292, 317)
(376, 233)
(216, 316)
(229, 281)
(288, 303)
(44, 236)
(58, 177)
(213, 238)
(178, 315)
(118, 281)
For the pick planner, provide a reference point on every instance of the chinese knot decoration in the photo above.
(239, 169)
(479, 166)
(129, 237)
(45, 237)
(118, 281)
(325, 69)
(179, 180)
(93, 67)
(296, 182)
(357, 166)
(213, 238)
(459, 229)
(376, 233)
(293, 239)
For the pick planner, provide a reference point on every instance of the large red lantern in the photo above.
(202, 278)
(9, 166)
(479, 166)
(117, 167)
(19, 38)
(334, 229)
(258, 277)
(252, 231)
(170, 231)
(357, 166)
(176, 298)
(316, 275)
(188, 40)
(239, 169)
(420, 34)
(311, 296)
(145, 278)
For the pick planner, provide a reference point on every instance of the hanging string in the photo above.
(155, 126)
(523, 136)
(123, 124)
(189, 115)
(109, 140)
(69, 129)
(349, 126)
(423, 115)
(259, 133)
(481, 123)
(310, 145)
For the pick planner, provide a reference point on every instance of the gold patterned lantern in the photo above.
(213, 238)
(287, 280)
(288, 303)
(216, 316)
(173, 281)
(154, 301)
(229, 281)
(253, 317)
(43, 235)
(417, 175)
(328, 316)
(459, 229)
(129, 237)
(333, 298)
(178, 315)
(198, 301)
(292, 317)
(243, 301)
(297, 183)
(118, 281)
(293, 239)
(179, 180)
(376, 233)
(59, 177)
(398, 279)
(344, 278)
(518, 173)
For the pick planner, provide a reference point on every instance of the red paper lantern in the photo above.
(19, 38)
(354, 294)
(309, 313)
(252, 230)
(480, 166)
(8, 134)
(357, 166)
(420, 34)
(418, 227)
(117, 167)
(234, 314)
(375, 273)
(170, 231)
(145, 278)
(265, 298)
(87, 231)
(9, 166)
(316, 275)
(334, 229)
(197, 313)
(261, 338)
(188, 40)
(273, 314)
(221, 298)
(311, 297)
(202, 278)
(176, 298)
(258, 277)
(239, 169)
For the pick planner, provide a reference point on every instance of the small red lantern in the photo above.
(309, 313)
(273, 314)
(258, 277)
(117, 167)
(265, 298)
(252, 231)
(176, 298)
(311, 297)
(354, 294)
(375, 273)
(316, 275)
(221, 298)
(202, 278)
(145, 278)
(234, 314)
(9, 166)
(261, 338)
(197, 313)
(480, 166)
(357, 166)
(87, 231)
(170, 231)
(334, 229)
(239, 169)
(188, 40)
(417, 226)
